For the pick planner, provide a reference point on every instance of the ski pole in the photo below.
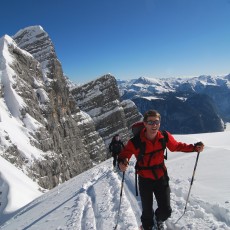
(122, 184)
(197, 157)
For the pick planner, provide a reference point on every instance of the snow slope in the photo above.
(91, 199)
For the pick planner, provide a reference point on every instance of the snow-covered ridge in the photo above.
(91, 199)
(163, 85)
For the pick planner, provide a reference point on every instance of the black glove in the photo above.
(199, 146)
(200, 143)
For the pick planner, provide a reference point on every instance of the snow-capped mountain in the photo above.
(166, 85)
(205, 99)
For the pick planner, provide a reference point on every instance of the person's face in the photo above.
(152, 125)
(117, 138)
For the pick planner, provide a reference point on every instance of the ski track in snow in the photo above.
(108, 185)
(94, 205)
(199, 214)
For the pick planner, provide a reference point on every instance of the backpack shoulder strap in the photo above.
(138, 144)
(165, 134)
(164, 142)
(136, 140)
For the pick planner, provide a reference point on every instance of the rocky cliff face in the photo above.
(68, 133)
(63, 129)
(110, 115)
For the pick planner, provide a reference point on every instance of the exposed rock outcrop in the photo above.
(64, 135)
(101, 100)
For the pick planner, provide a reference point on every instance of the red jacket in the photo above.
(158, 157)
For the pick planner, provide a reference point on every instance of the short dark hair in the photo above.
(151, 113)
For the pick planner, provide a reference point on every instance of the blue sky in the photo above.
(129, 38)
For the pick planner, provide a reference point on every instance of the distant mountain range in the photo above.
(187, 105)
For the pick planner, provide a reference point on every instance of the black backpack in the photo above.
(116, 147)
(136, 129)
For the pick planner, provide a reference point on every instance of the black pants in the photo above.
(160, 188)
(115, 156)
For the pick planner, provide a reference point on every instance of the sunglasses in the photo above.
(156, 122)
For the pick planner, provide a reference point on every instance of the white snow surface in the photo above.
(90, 201)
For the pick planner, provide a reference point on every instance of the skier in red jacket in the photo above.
(151, 170)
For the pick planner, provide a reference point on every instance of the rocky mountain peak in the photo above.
(62, 140)
(37, 42)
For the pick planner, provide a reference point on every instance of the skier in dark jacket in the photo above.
(115, 148)
(152, 172)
